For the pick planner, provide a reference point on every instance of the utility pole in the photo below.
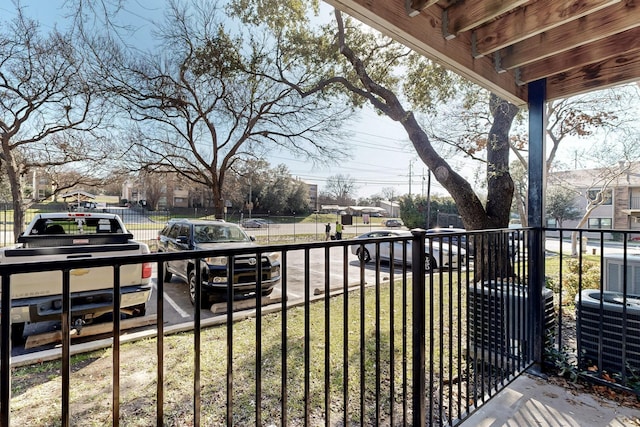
(250, 204)
(410, 176)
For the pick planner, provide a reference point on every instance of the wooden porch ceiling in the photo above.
(577, 45)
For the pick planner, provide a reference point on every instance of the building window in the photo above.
(603, 223)
(552, 223)
(606, 195)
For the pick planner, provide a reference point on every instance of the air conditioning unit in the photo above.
(604, 332)
(613, 277)
(499, 322)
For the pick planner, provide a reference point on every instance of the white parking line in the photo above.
(173, 304)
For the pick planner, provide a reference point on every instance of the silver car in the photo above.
(438, 254)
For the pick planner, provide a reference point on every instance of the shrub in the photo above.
(579, 276)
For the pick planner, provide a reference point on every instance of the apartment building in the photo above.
(621, 207)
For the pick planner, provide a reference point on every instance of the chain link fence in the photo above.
(146, 224)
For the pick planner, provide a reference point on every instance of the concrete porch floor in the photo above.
(532, 401)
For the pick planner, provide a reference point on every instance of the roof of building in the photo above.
(79, 194)
(627, 174)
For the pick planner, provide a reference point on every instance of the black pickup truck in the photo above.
(189, 235)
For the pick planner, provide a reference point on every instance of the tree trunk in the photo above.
(574, 235)
(499, 186)
(581, 223)
(218, 200)
(12, 170)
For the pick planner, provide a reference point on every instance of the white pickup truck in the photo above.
(37, 297)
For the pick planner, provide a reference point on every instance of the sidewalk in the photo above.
(531, 401)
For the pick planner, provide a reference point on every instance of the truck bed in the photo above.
(67, 250)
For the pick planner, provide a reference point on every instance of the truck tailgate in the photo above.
(81, 279)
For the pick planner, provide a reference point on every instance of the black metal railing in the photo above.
(597, 284)
(422, 340)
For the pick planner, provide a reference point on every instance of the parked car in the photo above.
(457, 239)
(254, 223)
(190, 235)
(438, 254)
(513, 243)
(392, 223)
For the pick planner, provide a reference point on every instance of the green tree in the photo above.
(271, 190)
(560, 204)
(414, 210)
(369, 68)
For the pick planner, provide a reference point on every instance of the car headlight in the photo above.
(273, 256)
(217, 260)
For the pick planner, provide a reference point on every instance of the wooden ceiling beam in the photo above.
(611, 47)
(601, 75)
(577, 45)
(464, 16)
(604, 23)
(530, 20)
(414, 7)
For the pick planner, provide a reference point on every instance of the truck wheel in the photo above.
(17, 334)
(204, 297)
(429, 263)
(139, 310)
(167, 274)
(192, 288)
(363, 255)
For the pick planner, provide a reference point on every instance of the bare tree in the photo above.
(341, 188)
(49, 108)
(390, 193)
(63, 179)
(213, 99)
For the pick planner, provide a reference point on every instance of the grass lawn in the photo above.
(369, 325)
(36, 389)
